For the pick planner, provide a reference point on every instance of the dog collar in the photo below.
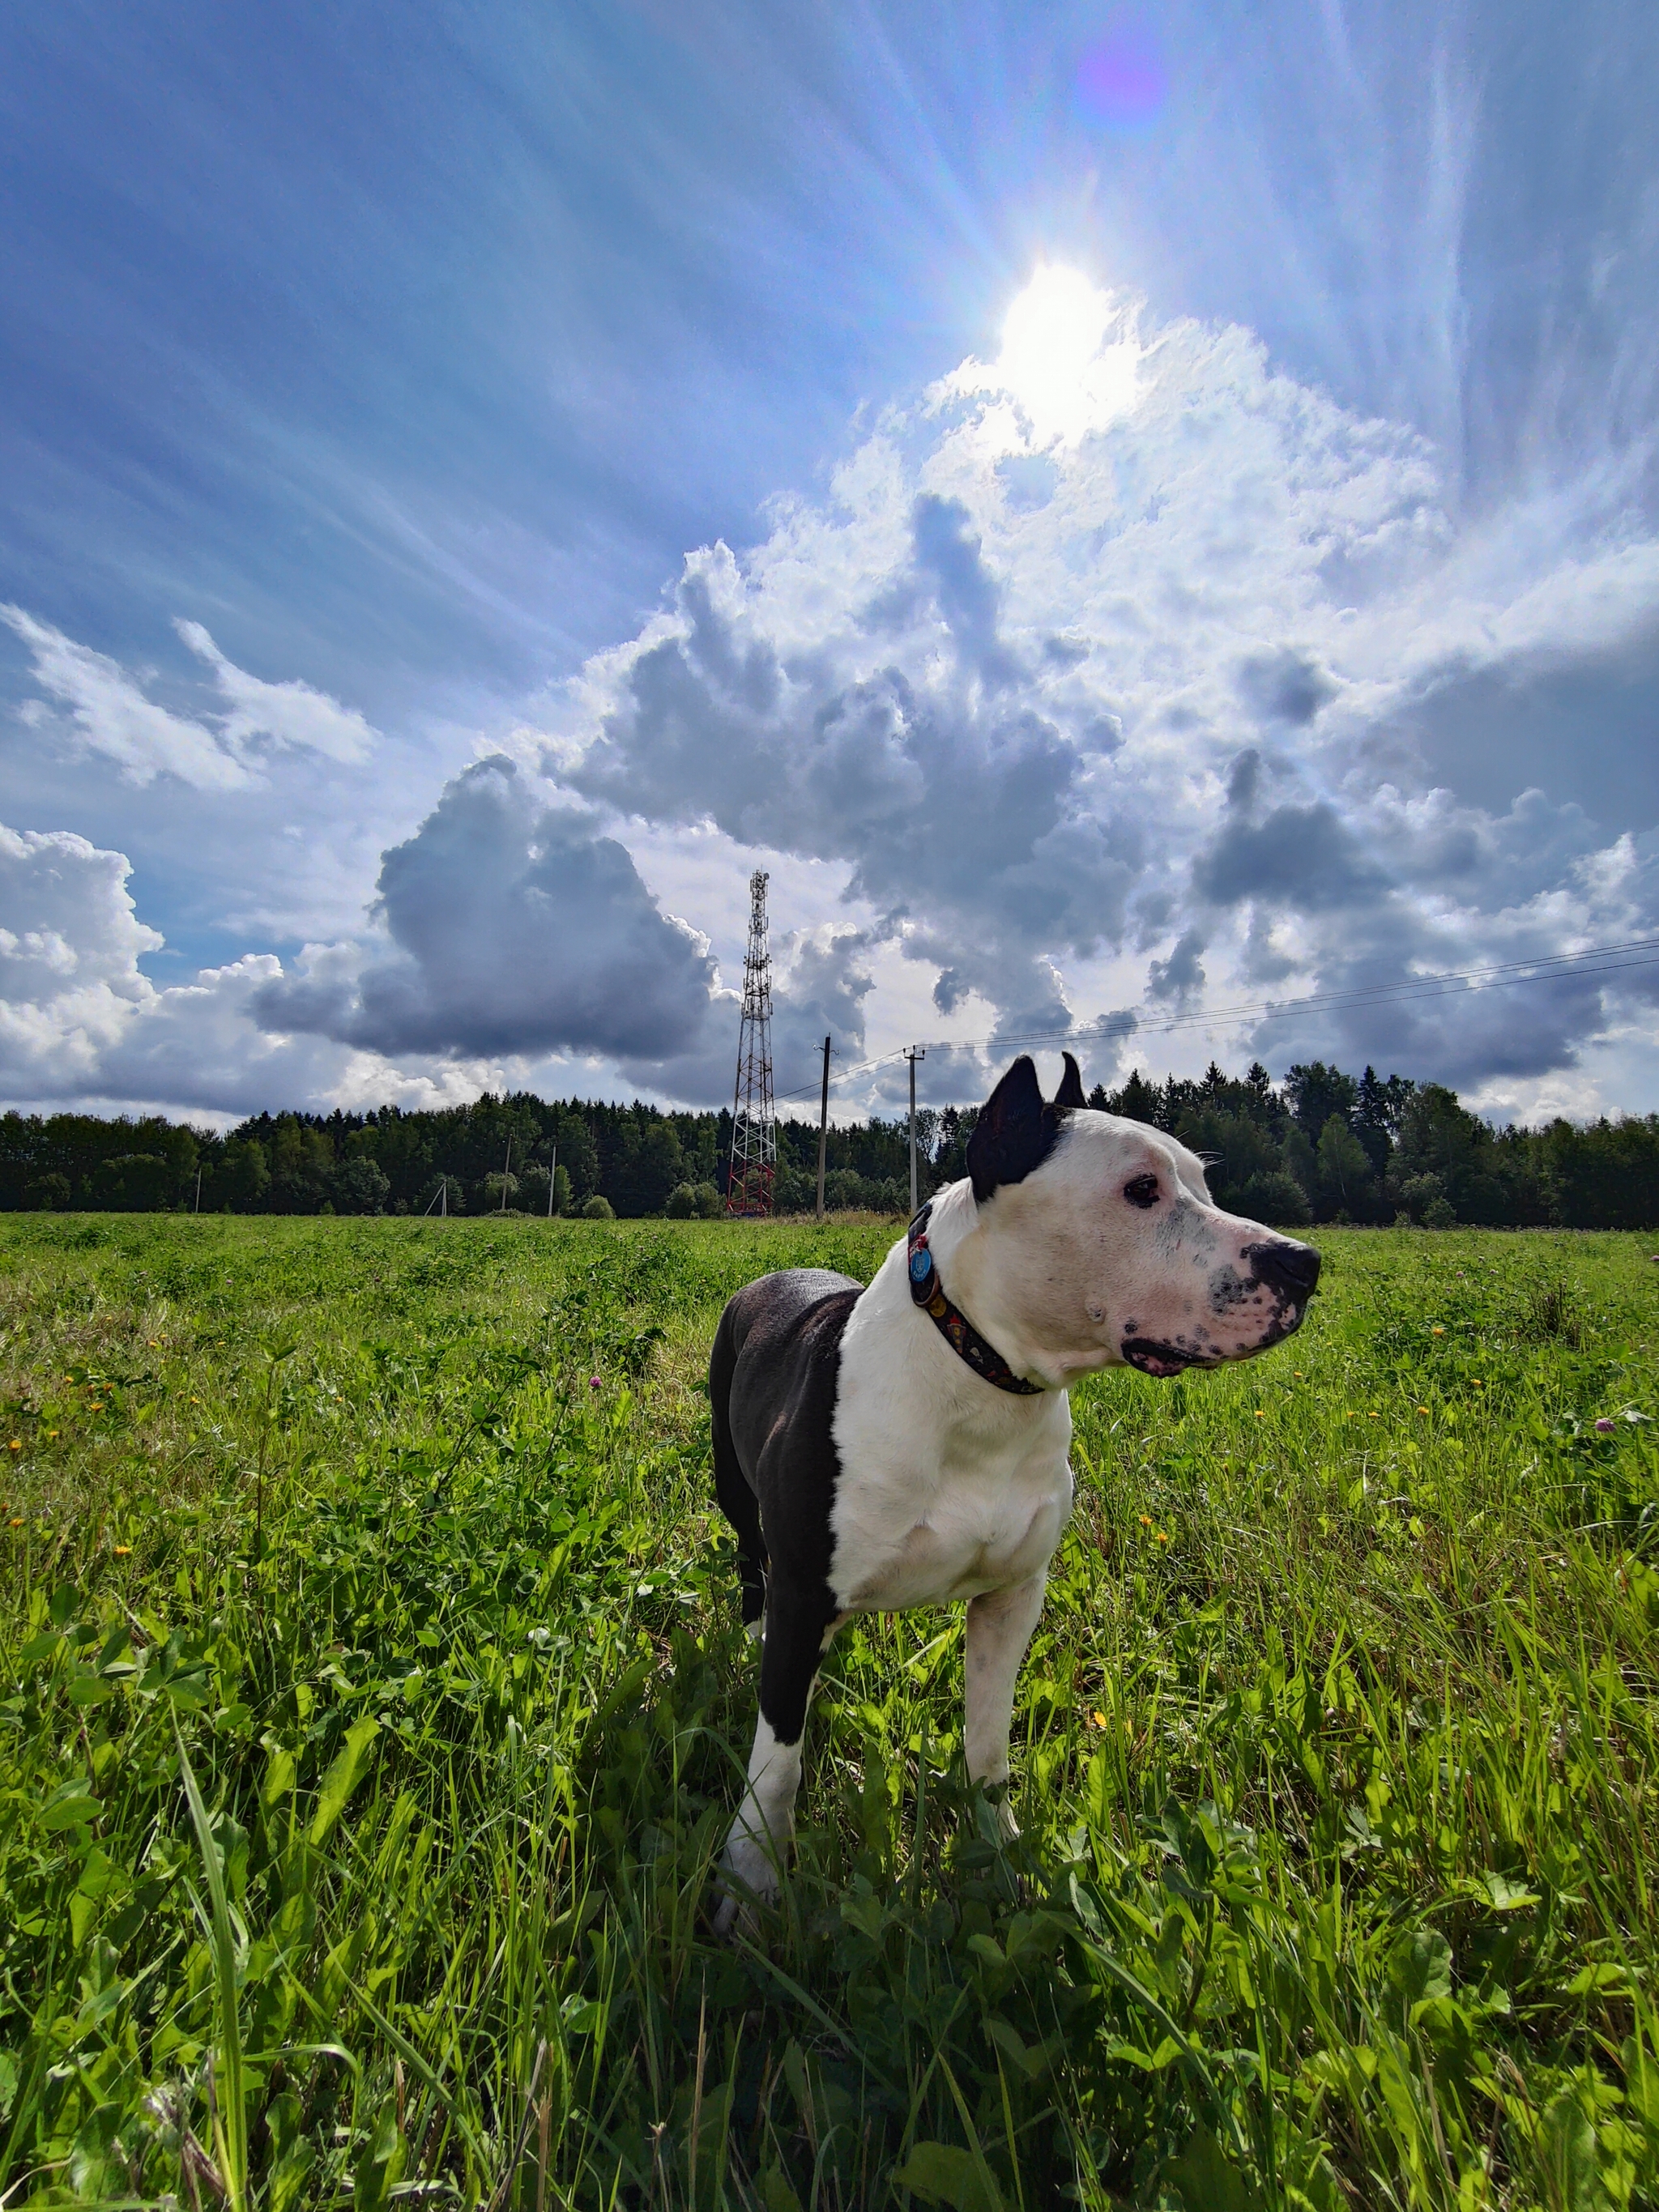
(952, 1324)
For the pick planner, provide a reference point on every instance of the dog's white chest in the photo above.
(966, 1544)
(947, 1487)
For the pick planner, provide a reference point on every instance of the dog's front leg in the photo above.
(1000, 1626)
(798, 1633)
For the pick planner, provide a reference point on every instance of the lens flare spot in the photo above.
(1121, 81)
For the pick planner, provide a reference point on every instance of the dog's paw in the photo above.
(747, 1881)
(999, 1797)
(735, 1916)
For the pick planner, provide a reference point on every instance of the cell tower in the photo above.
(754, 1130)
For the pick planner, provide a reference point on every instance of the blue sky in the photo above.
(538, 456)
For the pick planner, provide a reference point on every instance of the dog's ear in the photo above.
(1069, 1097)
(1015, 1131)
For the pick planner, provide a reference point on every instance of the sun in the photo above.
(1054, 328)
(1068, 356)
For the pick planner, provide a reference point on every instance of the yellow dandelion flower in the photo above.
(153, 1342)
(195, 1402)
(1146, 1520)
(1478, 1384)
(18, 1523)
(51, 1436)
(1371, 1417)
(1163, 1536)
(1261, 1413)
(122, 1551)
(1422, 1409)
(16, 1444)
(1098, 1720)
(1437, 1330)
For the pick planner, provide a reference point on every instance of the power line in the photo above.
(1546, 968)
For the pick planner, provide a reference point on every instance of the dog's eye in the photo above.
(1141, 1190)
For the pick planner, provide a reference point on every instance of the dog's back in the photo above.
(757, 1348)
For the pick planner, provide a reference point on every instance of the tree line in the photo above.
(1322, 1146)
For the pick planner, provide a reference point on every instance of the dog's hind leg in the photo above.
(736, 1499)
(798, 1633)
(1000, 1626)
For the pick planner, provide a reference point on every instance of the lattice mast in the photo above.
(754, 1164)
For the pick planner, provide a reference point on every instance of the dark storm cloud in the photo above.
(1183, 973)
(1287, 686)
(1583, 729)
(947, 550)
(1305, 857)
(518, 931)
(1244, 781)
(1464, 1038)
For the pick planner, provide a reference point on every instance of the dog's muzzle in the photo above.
(1286, 1270)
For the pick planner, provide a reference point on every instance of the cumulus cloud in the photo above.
(512, 928)
(70, 942)
(1197, 661)
(111, 711)
(1121, 670)
(81, 1022)
(512, 944)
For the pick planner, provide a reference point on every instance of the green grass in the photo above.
(373, 1703)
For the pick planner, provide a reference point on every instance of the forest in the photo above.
(1322, 1146)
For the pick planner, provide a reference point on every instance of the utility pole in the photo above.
(916, 1052)
(198, 1206)
(443, 1197)
(824, 1125)
(552, 1177)
(507, 1171)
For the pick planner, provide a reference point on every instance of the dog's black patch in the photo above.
(1069, 1097)
(1017, 1130)
(773, 1377)
(1289, 1267)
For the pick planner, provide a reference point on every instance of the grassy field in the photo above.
(373, 1702)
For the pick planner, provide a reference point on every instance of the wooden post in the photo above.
(824, 1125)
(507, 1171)
(916, 1052)
(552, 1177)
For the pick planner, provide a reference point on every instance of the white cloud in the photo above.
(82, 1025)
(70, 946)
(1006, 674)
(288, 714)
(1123, 672)
(110, 713)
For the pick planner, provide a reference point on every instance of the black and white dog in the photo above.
(907, 1445)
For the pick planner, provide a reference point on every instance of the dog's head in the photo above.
(1108, 1245)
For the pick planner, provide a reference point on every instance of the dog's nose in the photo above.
(1291, 1268)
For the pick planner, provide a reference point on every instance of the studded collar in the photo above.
(952, 1324)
